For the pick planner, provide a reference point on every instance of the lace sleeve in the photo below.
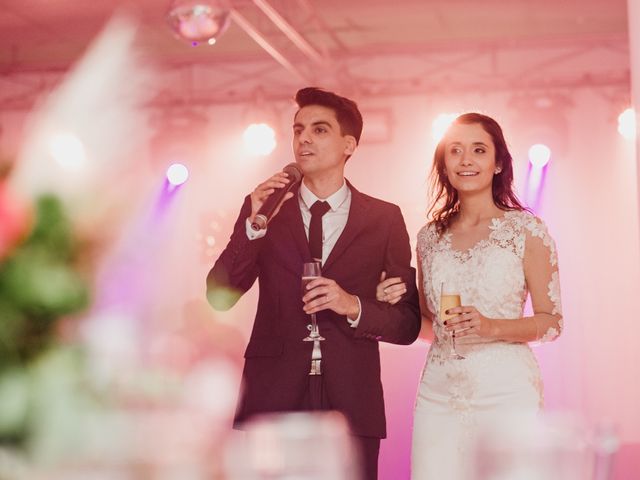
(426, 331)
(541, 273)
(424, 251)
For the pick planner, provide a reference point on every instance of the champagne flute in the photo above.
(311, 271)
(449, 298)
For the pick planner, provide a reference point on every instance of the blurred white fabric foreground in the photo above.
(541, 447)
(288, 446)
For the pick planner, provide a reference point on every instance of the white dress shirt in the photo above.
(333, 222)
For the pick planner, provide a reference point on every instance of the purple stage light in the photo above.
(539, 155)
(177, 174)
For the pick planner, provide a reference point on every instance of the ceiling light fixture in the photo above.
(199, 21)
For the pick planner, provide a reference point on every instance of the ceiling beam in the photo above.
(257, 37)
(291, 33)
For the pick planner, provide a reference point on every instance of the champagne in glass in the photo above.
(449, 298)
(311, 271)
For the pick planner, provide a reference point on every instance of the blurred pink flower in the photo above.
(14, 219)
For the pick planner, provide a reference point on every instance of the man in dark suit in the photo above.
(362, 237)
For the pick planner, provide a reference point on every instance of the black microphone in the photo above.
(271, 203)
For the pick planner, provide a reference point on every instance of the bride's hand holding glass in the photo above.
(467, 321)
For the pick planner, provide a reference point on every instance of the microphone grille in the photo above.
(294, 172)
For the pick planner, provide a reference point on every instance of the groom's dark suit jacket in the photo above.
(277, 361)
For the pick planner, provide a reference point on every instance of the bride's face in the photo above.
(469, 158)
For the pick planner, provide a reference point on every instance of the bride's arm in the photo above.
(543, 282)
(541, 276)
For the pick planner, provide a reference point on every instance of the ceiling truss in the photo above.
(435, 68)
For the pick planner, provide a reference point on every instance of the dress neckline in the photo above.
(494, 224)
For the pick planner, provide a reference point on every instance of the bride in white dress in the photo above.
(496, 253)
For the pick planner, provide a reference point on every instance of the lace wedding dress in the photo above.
(456, 396)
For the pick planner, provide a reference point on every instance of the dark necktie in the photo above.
(318, 209)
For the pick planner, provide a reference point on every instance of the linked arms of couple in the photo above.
(241, 262)
(541, 276)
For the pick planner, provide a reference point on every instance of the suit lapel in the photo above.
(356, 221)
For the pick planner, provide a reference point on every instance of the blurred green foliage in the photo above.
(40, 283)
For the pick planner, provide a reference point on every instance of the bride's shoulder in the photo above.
(428, 232)
(528, 222)
(427, 238)
(524, 218)
(531, 220)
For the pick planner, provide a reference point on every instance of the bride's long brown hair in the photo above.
(446, 204)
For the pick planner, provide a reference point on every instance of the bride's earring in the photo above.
(497, 171)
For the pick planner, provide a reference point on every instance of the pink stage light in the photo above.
(539, 155)
(177, 174)
(259, 139)
(627, 124)
(440, 125)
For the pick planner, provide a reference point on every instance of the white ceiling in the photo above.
(359, 46)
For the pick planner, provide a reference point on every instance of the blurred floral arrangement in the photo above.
(93, 383)
(42, 284)
(159, 407)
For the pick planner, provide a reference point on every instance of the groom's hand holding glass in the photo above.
(325, 294)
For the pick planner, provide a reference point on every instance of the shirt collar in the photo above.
(334, 200)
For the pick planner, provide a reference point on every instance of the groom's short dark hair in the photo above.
(346, 110)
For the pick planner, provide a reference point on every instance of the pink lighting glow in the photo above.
(440, 125)
(627, 124)
(259, 139)
(134, 112)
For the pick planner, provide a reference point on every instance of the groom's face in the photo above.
(318, 143)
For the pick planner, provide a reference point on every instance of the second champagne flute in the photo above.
(311, 271)
(449, 298)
